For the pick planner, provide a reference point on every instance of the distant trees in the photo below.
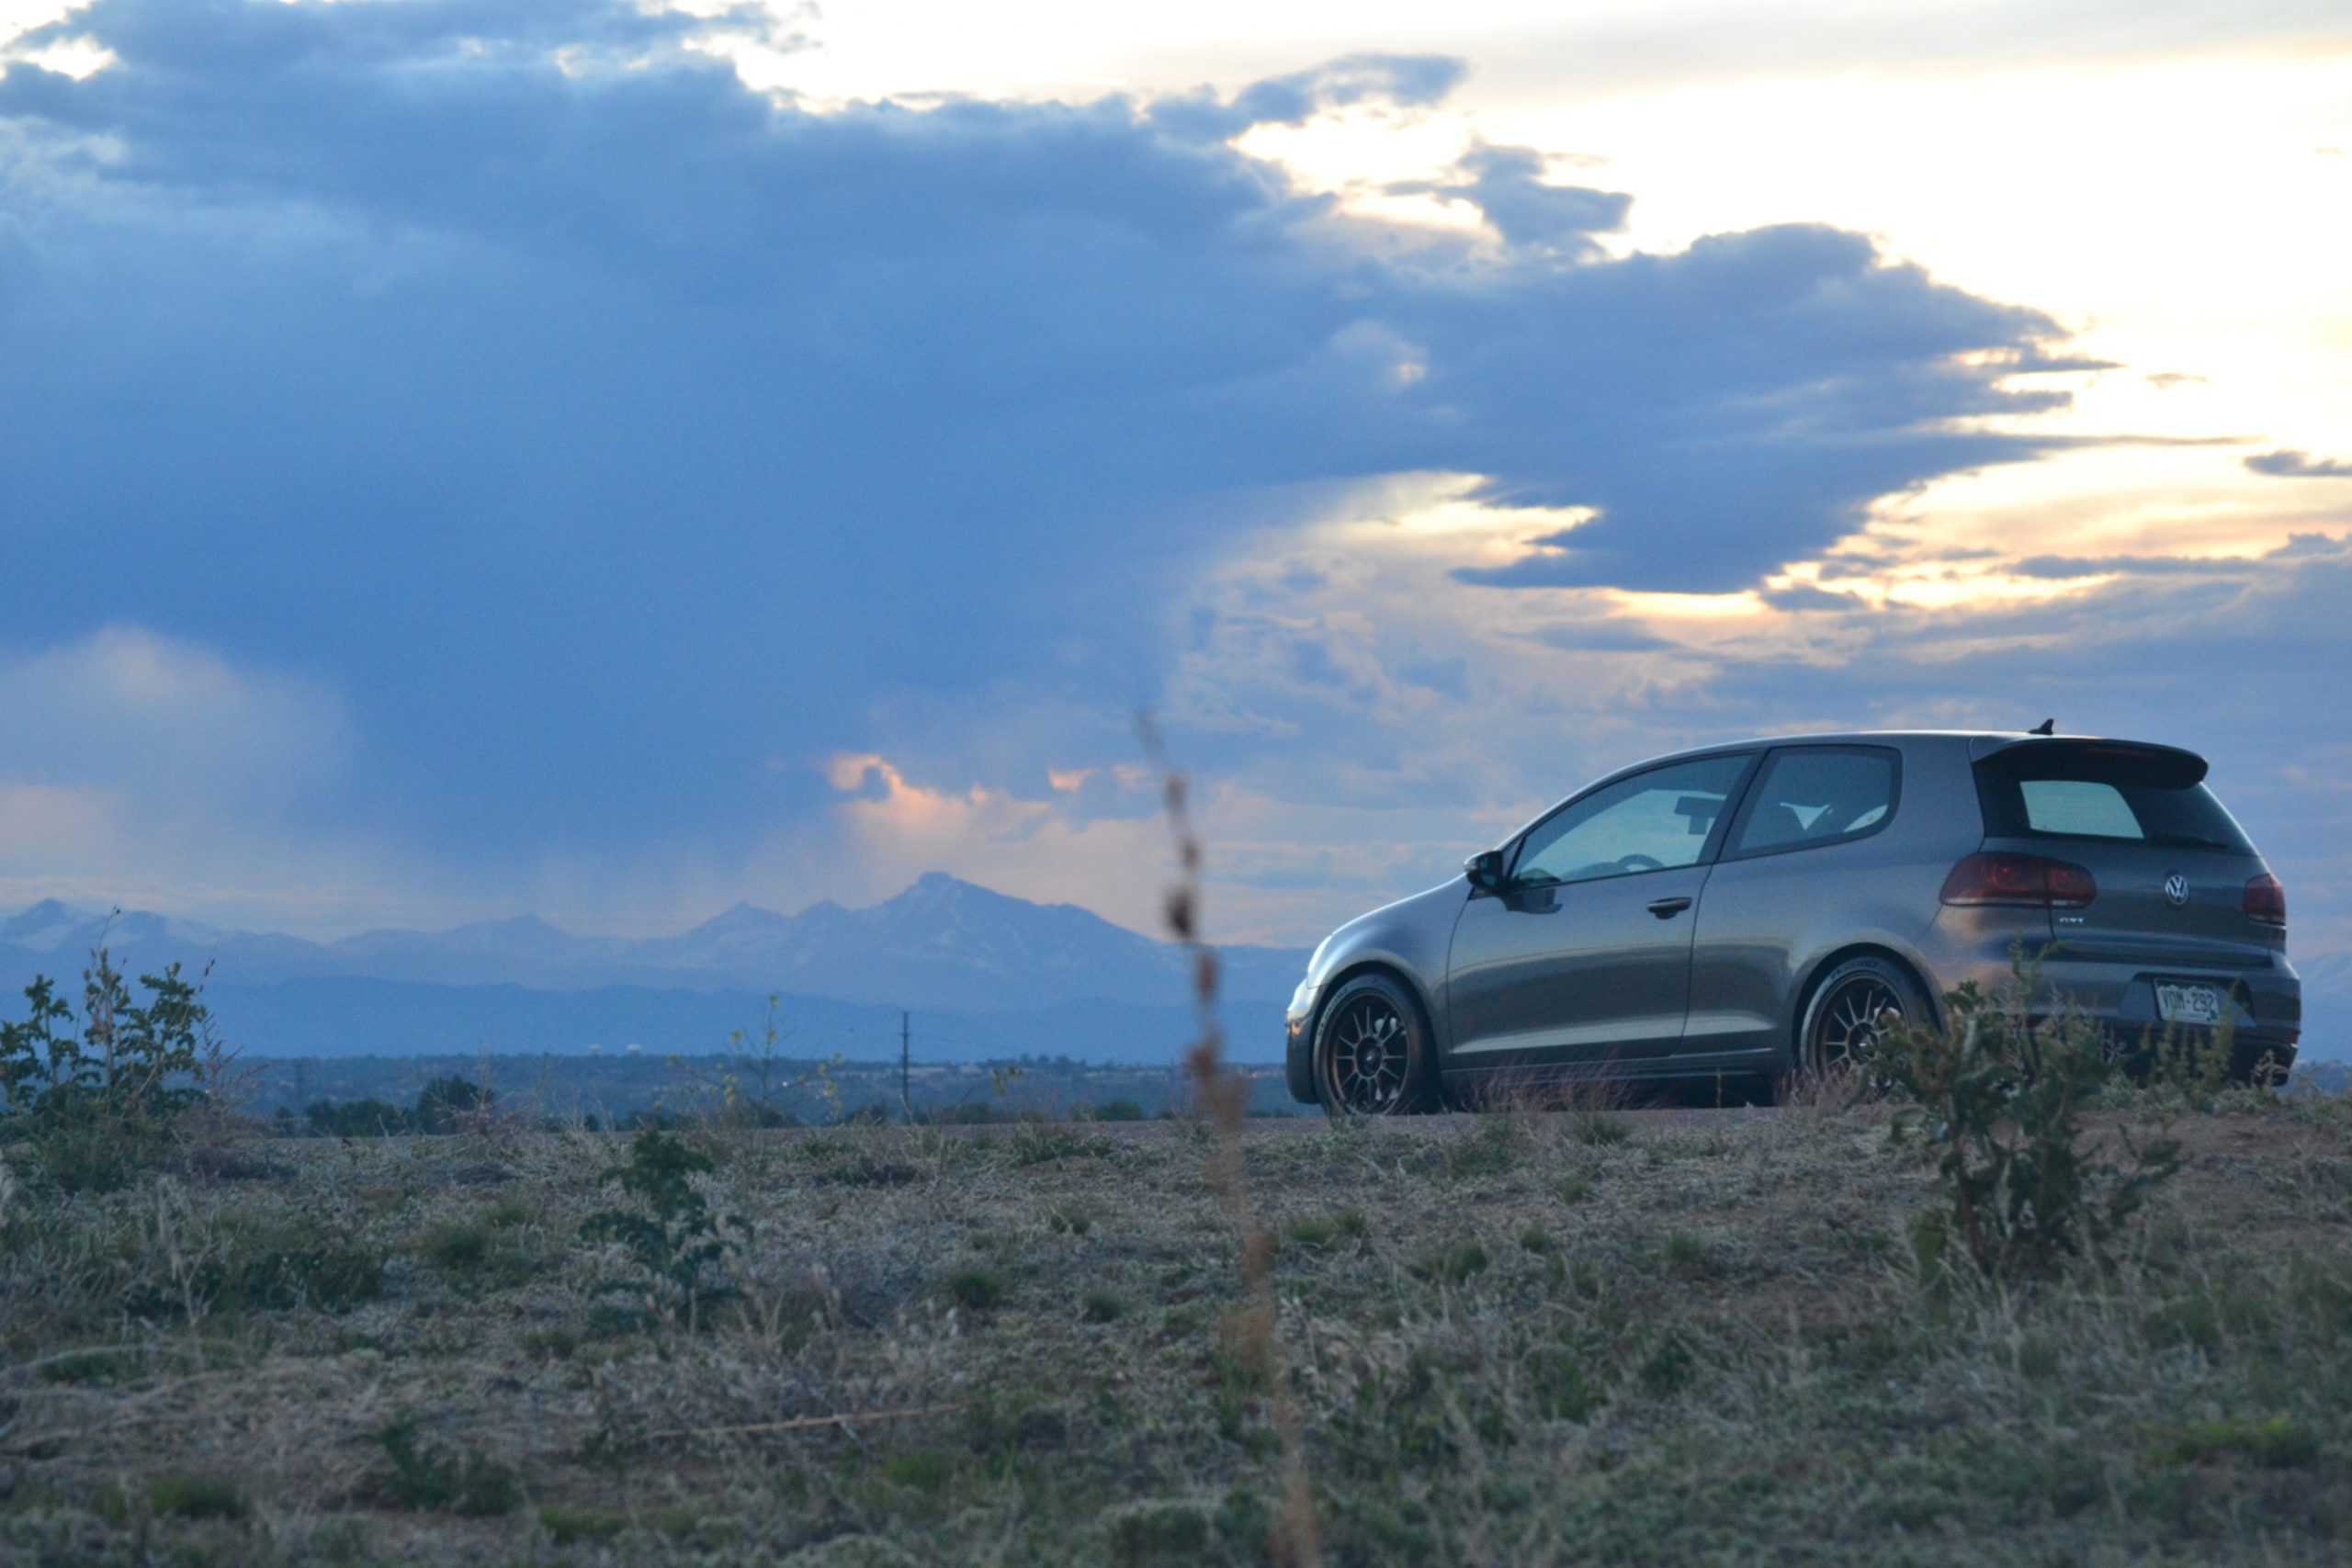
(446, 1104)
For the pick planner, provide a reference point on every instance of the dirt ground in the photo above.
(1619, 1336)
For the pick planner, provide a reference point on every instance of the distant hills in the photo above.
(987, 974)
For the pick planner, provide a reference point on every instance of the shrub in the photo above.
(1998, 1094)
(866, 1166)
(1495, 1147)
(96, 1095)
(674, 1237)
(2279, 1443)
(1452, 1265)
(184, 1267)
(1318, 1232)
(455, 1246)
(1118, 1110)
(358, 1119)
(1049, 1143)
(436, 1480)
(452, 1104)
(569, 1524)
(1685, 1253)
(1155, 1530)
(1600, 1128)
(973, 1287)
(477, 1251)
(175, 1494)
(919, 1470)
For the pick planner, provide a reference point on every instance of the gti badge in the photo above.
(2175, 890)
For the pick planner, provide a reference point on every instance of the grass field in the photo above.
(1571, 1336)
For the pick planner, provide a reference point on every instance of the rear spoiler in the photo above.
(2136, 762)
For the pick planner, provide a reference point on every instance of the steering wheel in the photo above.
(1626, 863)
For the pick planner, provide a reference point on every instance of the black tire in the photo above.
(1372, 1052)
(1849, 1008)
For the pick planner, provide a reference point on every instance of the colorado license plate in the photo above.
(2188, 1004)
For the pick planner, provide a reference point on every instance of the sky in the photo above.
(461, 457)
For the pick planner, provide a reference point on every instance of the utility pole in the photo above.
(906, 1032)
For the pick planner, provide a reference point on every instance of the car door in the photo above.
(1582, 952)
(1802, 863)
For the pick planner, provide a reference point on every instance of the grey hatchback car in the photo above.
(1735, 913)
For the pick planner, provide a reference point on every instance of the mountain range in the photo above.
(985, 975)
(989, 975)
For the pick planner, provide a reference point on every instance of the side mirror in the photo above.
(1484, 870)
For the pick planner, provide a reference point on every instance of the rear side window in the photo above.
(1816, 796)
(2110, 792)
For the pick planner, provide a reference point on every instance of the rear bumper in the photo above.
(2266, 1003)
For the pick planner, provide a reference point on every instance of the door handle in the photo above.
(1667, 909)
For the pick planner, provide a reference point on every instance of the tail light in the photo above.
(2027, 882)
(2266, 900)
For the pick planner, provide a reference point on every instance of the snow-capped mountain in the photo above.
(1056, 973)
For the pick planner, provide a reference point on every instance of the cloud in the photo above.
(1507, 184)
(2064, 567)
(153, 771)
(2287, 464)
(1387, 81)
(1806, 596)
(166, 721)
(618, 443)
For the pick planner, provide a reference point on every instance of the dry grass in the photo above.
(1508, 1342)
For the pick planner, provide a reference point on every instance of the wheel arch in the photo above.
(1388, 969)
(1360, 967)
(1827, 964)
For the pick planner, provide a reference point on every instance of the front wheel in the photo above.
(1855, 1005)
(1372, 1052)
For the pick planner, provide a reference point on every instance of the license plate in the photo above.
(2188, 1004)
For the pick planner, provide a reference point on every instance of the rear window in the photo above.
(2105, 792)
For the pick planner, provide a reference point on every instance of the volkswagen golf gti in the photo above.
(1745, 912)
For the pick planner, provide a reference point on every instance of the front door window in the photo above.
(1653, 821)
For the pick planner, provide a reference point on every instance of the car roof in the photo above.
(1981, 743)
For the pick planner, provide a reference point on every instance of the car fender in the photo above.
(1411, 937)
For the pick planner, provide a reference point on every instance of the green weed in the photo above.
(430, 1479)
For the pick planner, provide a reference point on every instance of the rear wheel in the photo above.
(1854, 1006)
(1371, 1053)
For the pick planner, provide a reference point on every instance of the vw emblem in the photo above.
(2175, 890)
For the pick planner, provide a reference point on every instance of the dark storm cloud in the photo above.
(1405, 81)
(2062, 567)
(606, 433)
(1507, 184)
(2290, 464)
(1727, 409)
(1806, 596)
(1602, 637)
